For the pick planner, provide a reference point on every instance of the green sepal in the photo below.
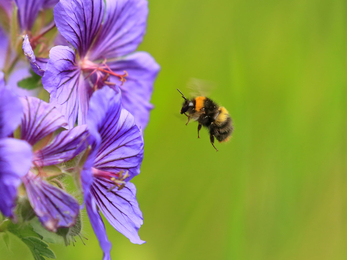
(70, 233)
(32, 82)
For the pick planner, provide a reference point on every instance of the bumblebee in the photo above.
(210, 115)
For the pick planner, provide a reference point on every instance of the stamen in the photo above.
(34, 41)
(119, 181)
(120, 76)
(40, 172)
(103, 71)
(109, 83)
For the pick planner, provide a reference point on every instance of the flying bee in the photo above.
(210, 115)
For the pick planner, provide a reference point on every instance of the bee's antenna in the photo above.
(182, 94)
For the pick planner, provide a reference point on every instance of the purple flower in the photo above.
(24, 161)
(104, 57)
(38, 65)
(12, 151)
(2, 80)
(6, 5)
(27, 13)
(114, 158)
(3, 47)
(19, 72)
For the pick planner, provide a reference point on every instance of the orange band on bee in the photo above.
(199, 103)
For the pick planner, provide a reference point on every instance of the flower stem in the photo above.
(9, 65)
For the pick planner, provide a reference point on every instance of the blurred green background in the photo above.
(277, 190)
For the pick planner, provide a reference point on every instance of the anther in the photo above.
(119, 181)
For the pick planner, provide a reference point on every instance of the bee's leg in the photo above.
(199, 127)
(188, 120)
(212, 141)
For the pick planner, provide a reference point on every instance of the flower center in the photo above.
(116, 178)
(101, 72)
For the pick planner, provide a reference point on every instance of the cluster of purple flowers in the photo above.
(99, 92)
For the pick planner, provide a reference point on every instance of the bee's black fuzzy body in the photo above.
(210, 115)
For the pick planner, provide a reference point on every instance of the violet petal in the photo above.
(11, 111)
(104, 103)
(138, 88)
(79, 21)
(60, 40)
(121, 145)
(39, 120)
(37, 64)
(99, 228)
(65, 146)
(94, 141)
(2, 80)
(54, 207)
(7, 6)
(28, 11)
(15, 162)
(67, 87)
(49, 3)
(119, 207)
(123, 29)
(4, 41)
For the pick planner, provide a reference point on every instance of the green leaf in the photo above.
(23, 231)
(32, 82)
(25, 210)
(32, 239)
(6, 238)
(38, 248)
(47, 236)
(4, 225)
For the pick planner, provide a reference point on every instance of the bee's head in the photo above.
(187, 104)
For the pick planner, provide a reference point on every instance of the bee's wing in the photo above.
(200, 87)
